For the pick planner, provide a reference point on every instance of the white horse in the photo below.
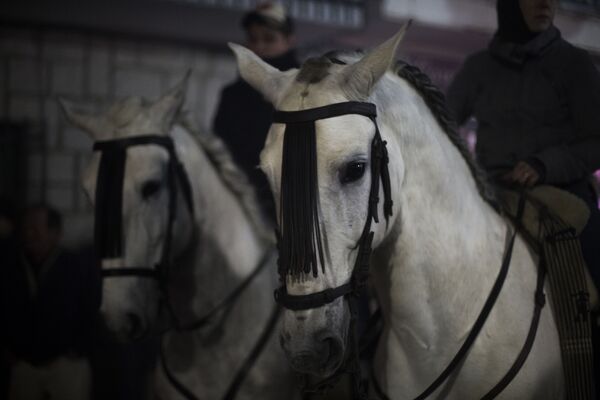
(213, 250)
(436, 259)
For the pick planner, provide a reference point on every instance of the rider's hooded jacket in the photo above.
(536, 98)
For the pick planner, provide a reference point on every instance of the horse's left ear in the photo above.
(261, 76)
(164, 110)
(362, 76)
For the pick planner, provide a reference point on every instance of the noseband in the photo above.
(108, 224)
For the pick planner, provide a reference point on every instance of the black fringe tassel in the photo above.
(301, 246)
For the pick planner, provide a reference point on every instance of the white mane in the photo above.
(232, 176)
(124, 111)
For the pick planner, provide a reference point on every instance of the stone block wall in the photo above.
(38, 66)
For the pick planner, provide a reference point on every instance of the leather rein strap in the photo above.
(249, 362)
(478, 325)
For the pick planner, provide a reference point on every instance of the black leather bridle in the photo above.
(379, 170)
(108, 235)
(108, 229)
(352, 289)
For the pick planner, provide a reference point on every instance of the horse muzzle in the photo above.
(320, 356)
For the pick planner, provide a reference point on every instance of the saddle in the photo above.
(561, 205)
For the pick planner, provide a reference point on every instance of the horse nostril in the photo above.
(136, 325)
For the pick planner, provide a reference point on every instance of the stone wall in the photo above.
(38, 66)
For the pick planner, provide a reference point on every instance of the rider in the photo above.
(243, 117)
(536, 98)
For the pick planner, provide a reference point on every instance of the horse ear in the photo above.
(96, 127)
(261, 76)
(164, 110)
(362, 76)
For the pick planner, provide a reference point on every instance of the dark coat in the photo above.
(537, 102)
(242, 120)
(52, 311)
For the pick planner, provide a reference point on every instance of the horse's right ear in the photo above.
(261, 76)
(94, 126)
(163, 111)
(362, 76)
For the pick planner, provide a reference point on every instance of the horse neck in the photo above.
(447, 243)
(226, 246)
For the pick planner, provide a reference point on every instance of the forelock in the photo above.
(314, 70)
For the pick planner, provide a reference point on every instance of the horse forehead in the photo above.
(145, 160)
(344, 134)
(302, 95)
(336, 137)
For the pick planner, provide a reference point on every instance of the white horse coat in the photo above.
(435, 263)
(213, 252)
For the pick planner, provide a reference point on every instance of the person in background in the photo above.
(50, 303)
(536, 99)
(243, 116)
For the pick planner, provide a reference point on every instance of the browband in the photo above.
(124, 143)
(328, 111)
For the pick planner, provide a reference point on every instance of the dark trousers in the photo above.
(590, 236)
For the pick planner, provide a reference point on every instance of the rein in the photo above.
(225, 304)
(539, 302)
(109, 242)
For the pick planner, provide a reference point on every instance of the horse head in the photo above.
(323, 157)
(140, 226)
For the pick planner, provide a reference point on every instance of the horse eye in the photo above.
(353, 171)
(150, 188)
